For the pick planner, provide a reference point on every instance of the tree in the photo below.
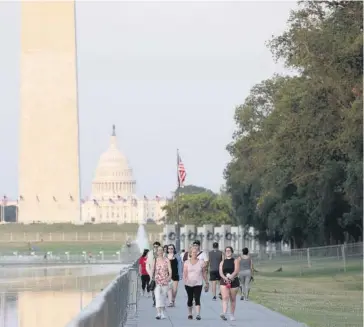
(296, 168)
(200, 208)
(193, 189)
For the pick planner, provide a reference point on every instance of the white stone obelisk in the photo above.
(49, 177)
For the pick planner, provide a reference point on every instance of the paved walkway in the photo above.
(246, 314)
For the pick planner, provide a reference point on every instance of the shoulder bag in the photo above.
(152, 282)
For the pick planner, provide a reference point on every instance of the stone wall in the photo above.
(225, 235)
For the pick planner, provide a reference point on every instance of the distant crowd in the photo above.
(162, 268)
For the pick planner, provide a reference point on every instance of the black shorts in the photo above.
(234, 284)
(175, 278)
(214, 275)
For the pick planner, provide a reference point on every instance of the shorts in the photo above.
(214, 275)
(175, 278)
(234, 284)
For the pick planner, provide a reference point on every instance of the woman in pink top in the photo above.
(162, 276)
(194, 271)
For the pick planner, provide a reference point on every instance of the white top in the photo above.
(203, 256)
(194, 273)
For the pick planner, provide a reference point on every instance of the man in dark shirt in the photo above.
(215, 257)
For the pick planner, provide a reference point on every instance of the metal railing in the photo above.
(335, 257)
(124, 255)
(110, 308)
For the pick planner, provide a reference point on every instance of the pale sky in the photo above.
(167, 74)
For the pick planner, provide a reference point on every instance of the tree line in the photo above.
(198, 205)
(296, 170)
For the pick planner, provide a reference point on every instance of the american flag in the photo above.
(181, 171)
(5, 199)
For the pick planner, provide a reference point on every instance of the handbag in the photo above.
(152, 284)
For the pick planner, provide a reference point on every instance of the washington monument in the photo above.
(49, 177)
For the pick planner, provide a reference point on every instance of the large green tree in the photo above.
(296, 168)
(200, 208)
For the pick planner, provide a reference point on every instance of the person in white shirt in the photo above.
(151, 257)
(201, 255)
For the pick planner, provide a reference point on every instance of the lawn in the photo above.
(318, 298)
(59, 228)
(60, 247)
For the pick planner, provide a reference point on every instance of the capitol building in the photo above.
(112, 200)
(113, 195)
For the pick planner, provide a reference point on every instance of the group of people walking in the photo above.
(162, 269)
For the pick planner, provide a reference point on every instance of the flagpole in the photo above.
(178, 230)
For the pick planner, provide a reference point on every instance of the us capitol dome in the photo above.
(113, 197)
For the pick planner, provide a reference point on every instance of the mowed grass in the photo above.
(69, 228)
(60, 247)
(317, 297)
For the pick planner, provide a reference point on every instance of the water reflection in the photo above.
(50, 299)
(41, 309)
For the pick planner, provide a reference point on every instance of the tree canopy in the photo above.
(193, 189)
(296, 156)
(198, 206)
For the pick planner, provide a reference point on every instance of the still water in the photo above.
(49, 297)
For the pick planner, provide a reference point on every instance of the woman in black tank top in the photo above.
(176, 266)
(229, 283)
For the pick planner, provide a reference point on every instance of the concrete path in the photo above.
(246, 314)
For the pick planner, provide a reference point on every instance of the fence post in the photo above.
(343, 255)
(308, 258)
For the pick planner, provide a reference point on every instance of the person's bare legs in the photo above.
(170, 296)
(213, 288)
(174, 290)
(233, 292)
(225, 293)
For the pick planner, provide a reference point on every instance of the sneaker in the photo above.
(223, 317)
(214, 298)
(220, 296)
(242, 298)
(232, 318)
(163, 315)
(190, 317)
(158, 316)
(198, 317)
